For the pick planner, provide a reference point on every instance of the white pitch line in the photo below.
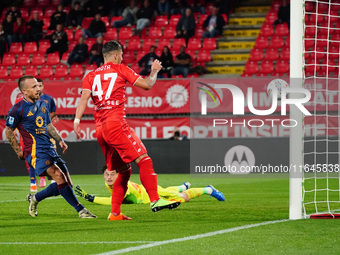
(52, 243)
(194, 237)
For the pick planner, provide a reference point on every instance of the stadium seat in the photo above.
(113, 19)
(111, 34)
(29, 3)
(155, 32)
(147, 43)
(261, 42)
(46, 72)
(38, 59)
(71, 45)
(3, 72)
(43, 3)
(43, 46)
(16, 72)
(311, 67)
(37, 10)
(201, 19)
(251, 68)
(309, 43)
(129, 57)
(272, 54)
(256, 55)
(61, 71)
(125, 33)
(53, 59)
(86, 22)
(282, 67)
(177, 43)
(328, 67)
(76, 71)
(276, 42)
(47, 22)
(282, 29)
(198, 32)
(310, 31)
(140, 54)
(322, 7)
(16, 48)
(309, 6)
(267, 30)
(30, 47)
(134, 44)
(135, 67)
(24, 13)
(8, 59)
(23, 59)
(69, 33)
(174, 19)
(209, 44)
(266, 68)
(203, 56)
(161, 21)
(285, 53)
(77, 34)
(192, 54)
(105, 19)
(194, 44)
(322, 41)
(89, 42)
(271, 17)
(163, 42)
(287, 41)
(333, 52)
(313, 18)
(31, 70)
(169, 32)
(49, 11)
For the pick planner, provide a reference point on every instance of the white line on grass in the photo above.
(21, 200)
(194, 237)
(51, 243)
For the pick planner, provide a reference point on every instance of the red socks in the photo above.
(119, 189)
(148, 177)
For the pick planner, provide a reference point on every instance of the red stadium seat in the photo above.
(266, 68)
(135, 67)
(322, 41)
(267, 30)
(192, 54)
(174, 20)
(313, 18)
(16, 72)
(209, 44)
(43, 3)
(261, 42)
(65, 56)
(194, 44)
(43, 46)
(282, 29)
(203, 56)
(125, 33)
(311, 67)
(3, 72)
(161, 21)
(333, 52)
(31, 70)
(61, 71)
(46, 72)
(129, 57)
(24, 13)
(16, 48)
(49, 11)
(147, 43)
(309, 43)
(198, 32)
(71, 45)
(163, 42)
(271, 17)
(47, 23)
(309, 6)
(55, 2)
(69, 33)
(38, 59)
(177, 43)
(282, 67)
(272, 54)
(8, 59)
(251, 68)
(53, 59)
(30, 47)
(169, 32)
(76, 71)
(310, 31)
(202, 19)
(29, 3)
(140, 54)
(134, 44)
(155, 32)
(77, 34)
(86, 22)
(105, 19)
(276, 42)
(23, 59)
(256, 55)
(89, 42)
(285, 53)
(111, 34)
(37, 10)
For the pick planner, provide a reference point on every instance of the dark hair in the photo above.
(22, 79)
(111, 46)
(105, 168)
(177, 134)
(39, 80)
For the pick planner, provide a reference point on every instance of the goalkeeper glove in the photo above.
(82, 193)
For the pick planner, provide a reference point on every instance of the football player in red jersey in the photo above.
(119, 143)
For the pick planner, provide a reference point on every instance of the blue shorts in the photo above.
(44, 160)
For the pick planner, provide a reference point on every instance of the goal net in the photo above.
(320, 182)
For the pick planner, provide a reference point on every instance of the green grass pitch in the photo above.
(58, 230)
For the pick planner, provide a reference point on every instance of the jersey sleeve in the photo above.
(86, 83)
(53, 107)
(13, 117)
(102, 200)
(129, 74)
(48, 118)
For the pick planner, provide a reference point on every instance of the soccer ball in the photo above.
(277, 84)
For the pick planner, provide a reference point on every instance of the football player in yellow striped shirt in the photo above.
(136, 193)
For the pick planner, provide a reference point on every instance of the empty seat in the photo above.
(31, 70)
(285, 53)
(8, 59)
(282, 67)
(16, 72)
(30, 47)
(256, 54)
(43, 3)
(251, 68)
(194, 44)
(111, 34)
(3, 72)
(105, 19)
(23, 59)
(174, 19)
(16, 48)
(38, 59)
(261, 42)
(46, 71)
(155, 32)
(169, 32)
(272, 54)
(47, 22)
(129, 57)
(69, 33)
(140, 54)
(267, 30)
(147, 43)
(163, 42)
(134, 44)
(43, 46)
(61, 71)
(86, 22)
(198, 32)
(77, 34)
(209, 44)
(203, 56)
(53, 59)
(71, 45)
(276, 42)
(177, 43)
(125, 33)
(282, 29)
(266, 68)
(76, 71)
(161, 21)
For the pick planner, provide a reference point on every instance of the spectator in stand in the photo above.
(35, 28)
(58, 40)
(283, 14)
(96, 52)
(163, 7)
(88, 8)
(129, 15)
(213, 24)
(58, 17)
(144, 16)
(178, 7)
(14, 12)
(167, 62)
(96, 28)
(79, 52)
(101, 7)
(75, 16)
(182, 63)
(19, 31)
(197, 6)
(147, 61)
(3, 42)
(177, 136)
(8, 28)
(186, 26)
(116, 8)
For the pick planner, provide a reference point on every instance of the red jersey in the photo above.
(107, 85)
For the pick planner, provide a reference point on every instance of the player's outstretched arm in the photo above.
(91, 198)
(148, 82)
(55, 135)
(14, 142)
(85, 95)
